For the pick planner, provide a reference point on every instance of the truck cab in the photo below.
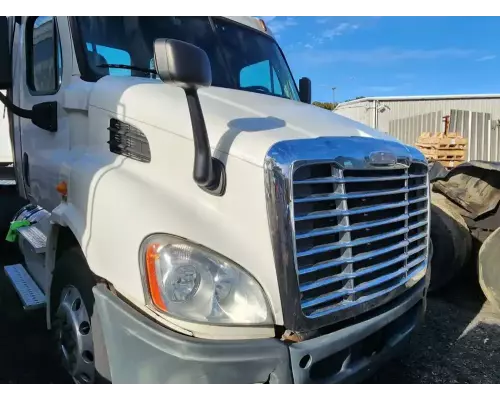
(191, 217)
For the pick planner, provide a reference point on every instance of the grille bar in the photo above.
(361, 257)
(417, 225)
(354, 227)
(417, 237)
(360, 288)
(358, 242)
(415, 275)
(360, 210)
(343, 196)
(417, 200)
(419, 212)
(415, 262)
(341, 277)
(333, 179)
(417, 249)
(359, 234)
(417, 187)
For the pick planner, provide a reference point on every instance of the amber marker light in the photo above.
(152, 257)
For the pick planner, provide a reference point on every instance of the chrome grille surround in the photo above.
(350, 277)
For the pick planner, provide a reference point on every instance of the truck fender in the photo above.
(59, 222)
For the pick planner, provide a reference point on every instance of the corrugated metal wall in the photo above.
(362, 112)
(477, 119)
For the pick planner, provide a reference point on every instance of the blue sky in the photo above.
(389, 56)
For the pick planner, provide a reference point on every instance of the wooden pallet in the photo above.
(448, 164)
(451, 145)
(449, 149)
(444, 154)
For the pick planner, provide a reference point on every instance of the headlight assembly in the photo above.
(190, 282)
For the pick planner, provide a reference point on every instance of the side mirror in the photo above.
(188, 67)
(5, 56)
(305, 90)
(182, 63)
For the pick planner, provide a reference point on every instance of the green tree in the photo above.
(326, 106)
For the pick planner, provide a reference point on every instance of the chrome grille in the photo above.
(359, 234)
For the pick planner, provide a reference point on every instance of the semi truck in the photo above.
(184, 214)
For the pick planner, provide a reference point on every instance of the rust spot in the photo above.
(291, 337)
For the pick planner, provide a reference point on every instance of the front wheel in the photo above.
(72, 308)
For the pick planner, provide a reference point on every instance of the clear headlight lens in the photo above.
(193, 283)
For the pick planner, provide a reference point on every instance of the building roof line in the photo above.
(428, 97)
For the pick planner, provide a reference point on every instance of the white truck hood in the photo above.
(242, 124)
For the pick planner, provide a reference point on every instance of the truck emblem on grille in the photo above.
(382, 158)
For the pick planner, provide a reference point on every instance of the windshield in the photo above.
(241, 58)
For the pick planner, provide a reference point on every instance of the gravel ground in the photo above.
(459, 341)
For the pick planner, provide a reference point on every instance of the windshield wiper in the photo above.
(125, 66)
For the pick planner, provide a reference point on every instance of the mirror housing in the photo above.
(5, 56)
(188, 67)
(182, 63)
(305, 90)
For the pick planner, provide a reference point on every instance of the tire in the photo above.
(451, 242)
(72, 305)
(489, 269)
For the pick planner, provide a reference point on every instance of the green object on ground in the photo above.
(14, 226)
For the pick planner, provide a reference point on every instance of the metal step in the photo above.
(30, 294)
(7, 176)
(35, 237)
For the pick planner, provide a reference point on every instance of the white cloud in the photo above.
(339, 30)
(322, 20)
(487, 58)
(308, 46)
(278, 25)
(318, 40)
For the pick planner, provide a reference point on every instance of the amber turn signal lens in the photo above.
(62, 188)
(154, 289)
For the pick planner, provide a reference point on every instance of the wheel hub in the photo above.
(74, 336)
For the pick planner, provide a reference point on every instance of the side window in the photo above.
(99, 55)
(260, 77)
(276, 84)
(43, 56)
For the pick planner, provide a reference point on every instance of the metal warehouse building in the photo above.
(476, 117)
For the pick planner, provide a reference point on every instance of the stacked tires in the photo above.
(451, 241)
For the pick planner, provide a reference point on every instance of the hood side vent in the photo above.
(128, 141)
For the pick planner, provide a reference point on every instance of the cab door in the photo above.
(44, 72)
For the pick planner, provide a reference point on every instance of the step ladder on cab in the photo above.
(29, 227)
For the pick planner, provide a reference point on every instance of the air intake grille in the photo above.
(128, 141)
(359, 234)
